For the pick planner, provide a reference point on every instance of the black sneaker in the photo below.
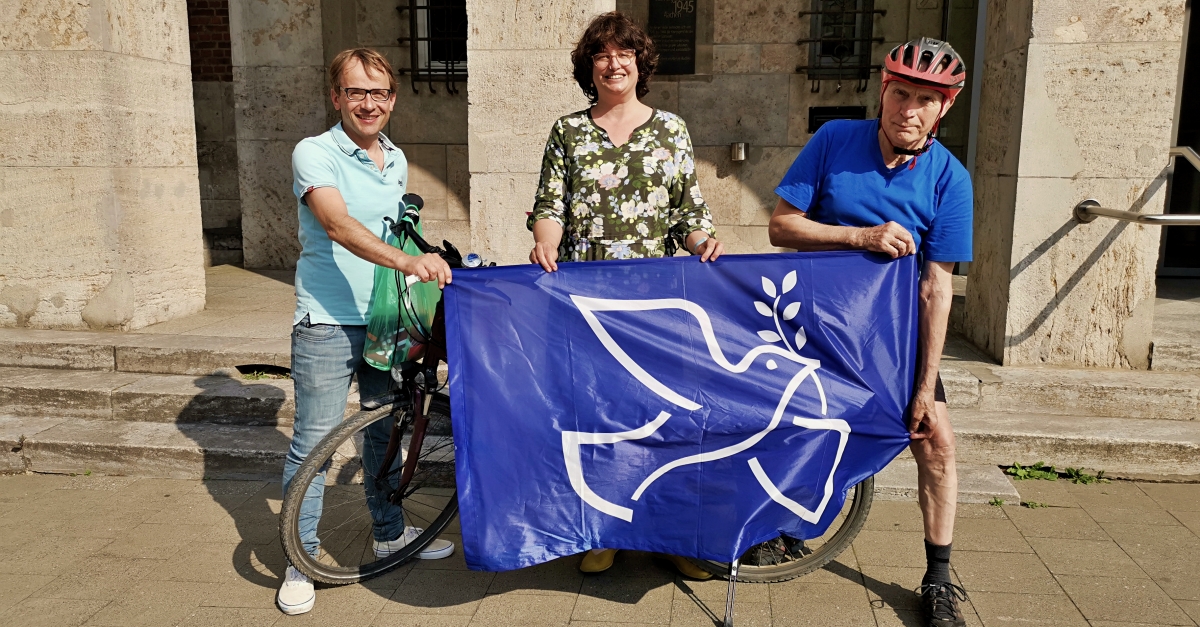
(939, 601)
(775, 552)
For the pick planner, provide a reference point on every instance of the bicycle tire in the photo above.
(323, 453)
(863, 494)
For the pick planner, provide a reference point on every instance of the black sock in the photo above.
(937, 560)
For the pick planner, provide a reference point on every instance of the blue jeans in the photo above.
(324, 358)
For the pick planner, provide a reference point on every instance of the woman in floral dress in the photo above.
(619, 179)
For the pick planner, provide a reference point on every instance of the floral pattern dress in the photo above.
(620, 202)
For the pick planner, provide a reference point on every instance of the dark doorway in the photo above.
(960, 20)
(216, 136)
(1181, 244)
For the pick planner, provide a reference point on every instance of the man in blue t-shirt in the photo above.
(888, 187)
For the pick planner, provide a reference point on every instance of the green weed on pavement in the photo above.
(1037, 471)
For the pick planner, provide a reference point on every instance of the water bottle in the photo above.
(472, 260)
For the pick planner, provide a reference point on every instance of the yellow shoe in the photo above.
(688, 569)
(597, 561)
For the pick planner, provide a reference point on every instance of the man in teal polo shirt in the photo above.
(346, 181)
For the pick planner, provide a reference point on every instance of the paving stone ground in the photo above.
(126, 552)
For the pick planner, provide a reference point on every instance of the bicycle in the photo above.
(417, 475)
(786, 558)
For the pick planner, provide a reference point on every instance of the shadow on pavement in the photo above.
(889, 594)
(241, 476)
(245, 481)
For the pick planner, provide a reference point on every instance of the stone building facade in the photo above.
(1074, 99)
(99, 201)
(485, 142)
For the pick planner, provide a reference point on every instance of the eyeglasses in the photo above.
(622, 58)
(356, 94)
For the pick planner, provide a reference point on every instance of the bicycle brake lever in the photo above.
(451, 255)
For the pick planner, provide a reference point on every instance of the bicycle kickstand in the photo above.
(733, 571)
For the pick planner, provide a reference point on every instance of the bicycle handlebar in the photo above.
(407, 227)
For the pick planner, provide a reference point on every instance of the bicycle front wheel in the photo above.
(786, 558)
(350, 496)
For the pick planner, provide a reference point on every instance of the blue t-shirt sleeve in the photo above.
(800, 185)
(312, 167)
(950, 234)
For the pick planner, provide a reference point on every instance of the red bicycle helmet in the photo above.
(928, 63)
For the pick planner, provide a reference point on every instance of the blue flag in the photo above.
(670, 405)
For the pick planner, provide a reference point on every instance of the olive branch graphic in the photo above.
(772, 311)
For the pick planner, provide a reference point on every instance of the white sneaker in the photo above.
(436, 550)
(296, 595)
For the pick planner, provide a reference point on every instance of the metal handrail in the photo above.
(1090, 209)
(1187, 153)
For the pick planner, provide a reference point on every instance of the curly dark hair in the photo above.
(617, 29)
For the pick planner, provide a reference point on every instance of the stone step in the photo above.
(1122, 447)
(976, 483)
(143, 449)
(1171, 355)
(196, 451)
(173, 450)
(137, 352)
(1176, 326)
(971, 381)
(1068, 392)
(148, 398)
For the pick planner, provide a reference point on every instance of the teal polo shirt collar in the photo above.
(352, 149)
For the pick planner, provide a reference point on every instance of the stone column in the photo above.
(279, 92)
(519, 82)
(1077, 102)
(99, 196)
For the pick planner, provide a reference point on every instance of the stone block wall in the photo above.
(751, 92)
(100, 212)
(475, 156)
(279, 95)
(746, 90)
(216, 135)
(520, 82)
(1078, 102)
(429, 126)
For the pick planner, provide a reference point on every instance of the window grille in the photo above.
(437, 42)
(839, 46)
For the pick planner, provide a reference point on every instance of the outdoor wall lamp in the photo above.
(737, 152)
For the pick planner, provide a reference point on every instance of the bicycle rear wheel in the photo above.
(346, 525)
(785, 558)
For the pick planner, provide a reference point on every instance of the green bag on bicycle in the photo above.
(401, 309)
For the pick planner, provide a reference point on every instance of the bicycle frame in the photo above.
(419, 392)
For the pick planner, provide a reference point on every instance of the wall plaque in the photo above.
(672, 26)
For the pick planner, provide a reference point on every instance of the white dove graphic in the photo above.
(573, 441)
